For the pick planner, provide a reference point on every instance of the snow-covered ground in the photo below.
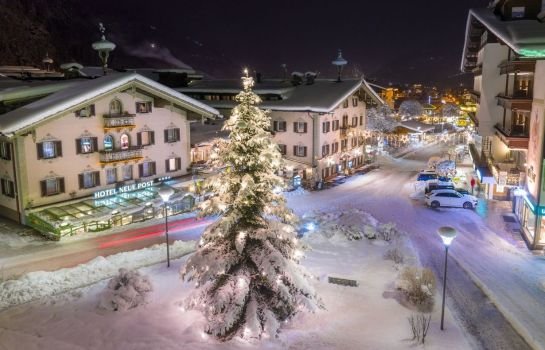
(370, 316)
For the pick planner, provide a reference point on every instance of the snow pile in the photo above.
(352, 224)
(125, 291)
(446, 168)
(39, 284)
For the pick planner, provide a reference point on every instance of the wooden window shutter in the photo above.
(167, 169)
(94, 140)
(9, 150)
(152, 137)
(40, 150)
(305, 151)
(150, 106)
(140, 170)
(139, 138)
(295, 127)
(178, 163)
(11, 189)
(177, 133)
(294, 150)
(152, 166)
(78, 146)
(43, 188)
(92, 110)
(275, 126)
(58, 148)
(97, 178)
(304, 127)
(80, 181)
(166, 135)
(61, 184)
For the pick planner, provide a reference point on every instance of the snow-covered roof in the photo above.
(416, 126)
(85, 91)
(323, 96)
(525, 37)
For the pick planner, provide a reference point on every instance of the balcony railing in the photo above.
(515, 139)
(517, 66)
(120, 155)
(119, 121)
(518, 100)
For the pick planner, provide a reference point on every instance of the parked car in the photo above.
(426, 175)
(462, 190)
(450, 198)
(432, 186)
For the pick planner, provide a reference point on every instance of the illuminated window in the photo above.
(108, 143)
(124, 141)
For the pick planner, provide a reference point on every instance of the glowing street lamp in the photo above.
(447, 234)
(165, 193)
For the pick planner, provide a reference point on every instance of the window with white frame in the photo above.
(86, 145)
(354, 121)
(173, 164)
(49, 149)
(8, 188)
(345, 103)
(146, 169)
(52, 186)
(89, 179)
(279, 126)
(335, 147)
(335, 125)
(326, 126)
(145, 138)
(111, 176)
(300, 127)
(283, 149)
(354, 101)
(127, 172)
(344, 145)
(325, 150)
(300, 151)
(172, 135)
(143, 107)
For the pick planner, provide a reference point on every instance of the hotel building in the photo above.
(505, 50)
(90, 154)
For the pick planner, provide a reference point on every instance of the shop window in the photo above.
(124, 141)
(279, 126)
(300, 127)
(146, 169)
(50, 187)
(143, 107)
(145, 138)
(49, 149)
(86, 145)
(173, 164)
(283, 149)
(5, 150)
(172, 135)
(127, 172)
(8, 188)
(300, 151)
(108, 143)
(89, 179)
(111, 176)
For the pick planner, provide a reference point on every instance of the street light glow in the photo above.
(447, 234)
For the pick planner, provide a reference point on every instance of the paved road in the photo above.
(385, 194)
(53, 256)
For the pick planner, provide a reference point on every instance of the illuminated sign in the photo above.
(122, 189)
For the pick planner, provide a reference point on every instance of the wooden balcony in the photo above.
(119, 121)
(520, 101)
(121, 155)
(514, 140)
(517, 66)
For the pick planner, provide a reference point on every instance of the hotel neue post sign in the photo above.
(123, 189)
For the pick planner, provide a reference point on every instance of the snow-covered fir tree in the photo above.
(381, 120)
(246, 269)
(411, 109)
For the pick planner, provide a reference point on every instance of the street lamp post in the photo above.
(165, 193)
(447, 234)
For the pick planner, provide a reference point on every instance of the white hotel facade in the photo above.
(92, 154)
(318, 124)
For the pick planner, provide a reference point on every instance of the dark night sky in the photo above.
(392, 41)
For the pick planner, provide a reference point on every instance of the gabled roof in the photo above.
(76, 95)
(525, 37)
(323, 96)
